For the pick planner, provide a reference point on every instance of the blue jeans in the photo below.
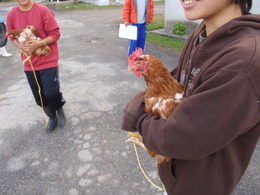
(141, 38)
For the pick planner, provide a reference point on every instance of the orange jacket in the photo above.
(130, 14)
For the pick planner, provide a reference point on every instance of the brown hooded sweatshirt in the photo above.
(212, 134)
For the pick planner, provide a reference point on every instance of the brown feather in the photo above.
(14, 33)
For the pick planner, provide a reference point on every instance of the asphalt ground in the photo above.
(88, 156)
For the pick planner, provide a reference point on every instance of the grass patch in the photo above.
(157, 23)
(87, 6)
(170, 43)
(167, 42)
(83, 6)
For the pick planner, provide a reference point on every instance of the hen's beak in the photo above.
(130, 68)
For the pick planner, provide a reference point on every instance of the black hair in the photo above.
(245, 5)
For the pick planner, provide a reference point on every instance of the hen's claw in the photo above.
(136, 141)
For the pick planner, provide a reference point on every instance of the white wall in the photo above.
(256, 7)
(97, 2)
(104, 2)
(174, 13)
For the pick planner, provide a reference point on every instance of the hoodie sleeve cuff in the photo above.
(133, 111)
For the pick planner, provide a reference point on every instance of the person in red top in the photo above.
(46, 67)
(138, 13)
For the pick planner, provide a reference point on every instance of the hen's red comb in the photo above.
(134, 55)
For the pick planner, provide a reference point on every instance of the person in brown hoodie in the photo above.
(212, 134)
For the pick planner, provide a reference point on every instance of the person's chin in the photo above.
(192, 17)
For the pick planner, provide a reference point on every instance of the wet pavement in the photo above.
(88, 155)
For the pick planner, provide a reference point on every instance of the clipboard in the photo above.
(128, 32)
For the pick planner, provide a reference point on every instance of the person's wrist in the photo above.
(44, 43)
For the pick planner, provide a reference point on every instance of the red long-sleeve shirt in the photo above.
(44, 20)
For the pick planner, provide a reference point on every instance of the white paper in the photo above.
(128, 32)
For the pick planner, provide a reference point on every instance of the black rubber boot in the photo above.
(61, 117)
(52, 122)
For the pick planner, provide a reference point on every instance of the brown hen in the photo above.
(163, 92)
(28, 34)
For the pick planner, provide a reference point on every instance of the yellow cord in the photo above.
(28, 58)
(134, 135)
(138, 160)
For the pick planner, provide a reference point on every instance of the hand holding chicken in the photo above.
(29, 41)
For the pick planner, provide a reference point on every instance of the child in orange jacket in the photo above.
(138, 13)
